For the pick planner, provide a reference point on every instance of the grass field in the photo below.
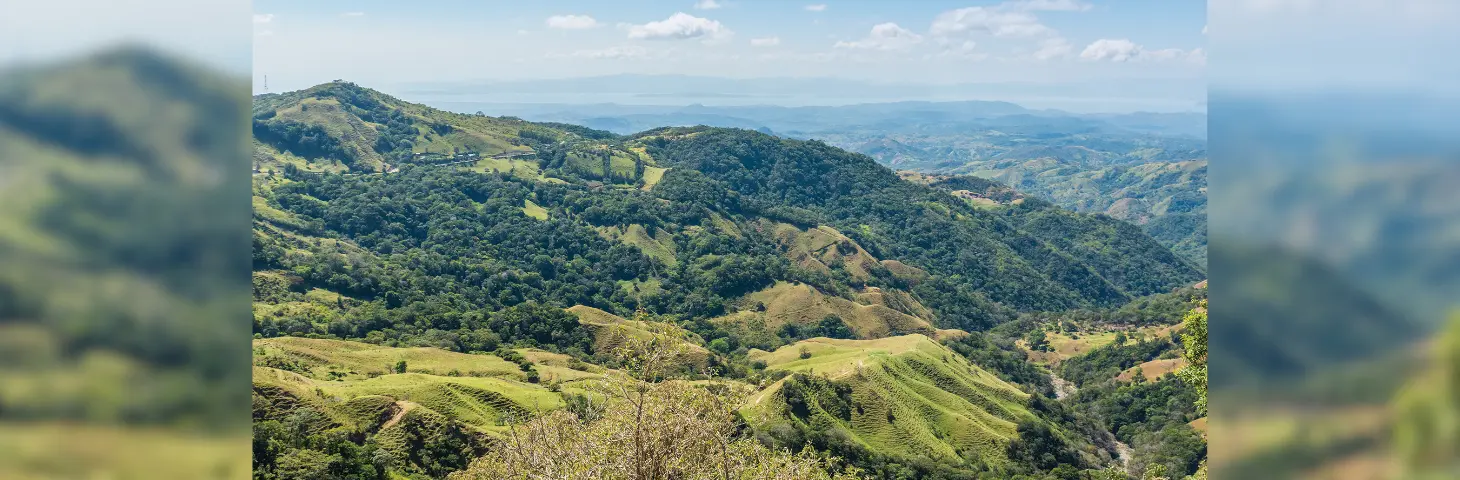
(354, 382)
(1153, 369)
(652, 176)
(659, 246)
(334, 359)
(1065, 346)
(533, 210)
(800, 304)
(818, 248)
(518, 168)
(911, 396)
(610, 331)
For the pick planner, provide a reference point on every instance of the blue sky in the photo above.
(380, 43)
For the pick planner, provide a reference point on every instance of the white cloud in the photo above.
(352, 14)
(611, 53)
(993, 21)
(571, 22)
(884, 36)
(820, 7)
(1203, 29)
(521, 32)
(680, 26)
(263, 17)
(1123, 50)
(265, 33)
(707, 5)
(1048, 5)
(765, 42)
(1115, 50)
(1053, 48)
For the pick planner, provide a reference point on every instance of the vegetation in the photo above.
(1156, 183)
(431, 314)
(646, 429)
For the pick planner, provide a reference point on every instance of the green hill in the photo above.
(417, 409)
(905, 397)
(715, 236)
(610, 332)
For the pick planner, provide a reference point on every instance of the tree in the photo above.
(1195, 341)
(1195, 372)
(648, 429)
(400, 366)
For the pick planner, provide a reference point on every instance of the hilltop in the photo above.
(469, 243)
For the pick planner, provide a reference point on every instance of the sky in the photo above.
(384, 44)
(1273, 45)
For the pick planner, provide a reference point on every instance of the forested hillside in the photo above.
(554, 248)
(1155, 182)
(1145, 168)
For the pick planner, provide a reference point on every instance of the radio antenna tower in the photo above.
(266, 84)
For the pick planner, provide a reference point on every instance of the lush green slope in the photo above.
(715, 237)
(909, 399)
(949, 409)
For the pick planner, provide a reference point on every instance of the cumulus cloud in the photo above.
(707, 5)
(993, 21)
(263, 17)
(1115, 50)
(884, 36)
(765, 42)
(819, 7)
(571, 22)
(1123, 50)
(680, 26)
(1203, 29)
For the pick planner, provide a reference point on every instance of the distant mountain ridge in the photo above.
(809, 120)
(1124, 95)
